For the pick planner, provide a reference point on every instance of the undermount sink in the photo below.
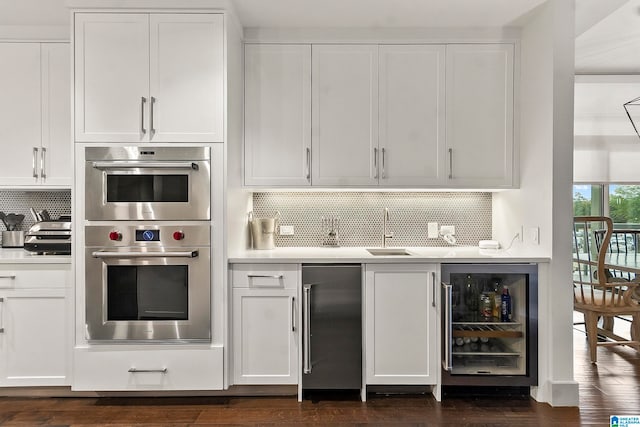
(388, 251)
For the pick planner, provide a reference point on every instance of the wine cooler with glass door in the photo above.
(489, 324)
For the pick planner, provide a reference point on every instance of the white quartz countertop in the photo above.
(20, 256)
(357, 254)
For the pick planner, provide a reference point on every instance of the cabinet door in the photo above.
(400, 318)
(55, 159)
(20, 115)
(33, 344)
(265, 343)
(186, 80)
(277, 137)
(111, 77)
(480, 115)
(344, 115)
(412, 119)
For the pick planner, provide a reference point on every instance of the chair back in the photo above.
(593, 284)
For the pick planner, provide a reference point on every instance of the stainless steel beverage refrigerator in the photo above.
(489, 324)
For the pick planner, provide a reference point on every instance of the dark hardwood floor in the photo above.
(612, 387)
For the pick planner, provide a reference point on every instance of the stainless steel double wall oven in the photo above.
(148, 244)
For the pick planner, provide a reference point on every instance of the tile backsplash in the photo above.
(360, 216)
(18, 202)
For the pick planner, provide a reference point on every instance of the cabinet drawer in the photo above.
(17, 276)
(284, 276)
(157, 369)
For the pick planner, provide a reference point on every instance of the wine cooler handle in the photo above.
(306, 326)
(446, 363)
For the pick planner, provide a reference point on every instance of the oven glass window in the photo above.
(147, 188)
(148, 292)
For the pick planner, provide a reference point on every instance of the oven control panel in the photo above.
(147, 235)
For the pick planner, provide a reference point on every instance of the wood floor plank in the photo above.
(610, 387)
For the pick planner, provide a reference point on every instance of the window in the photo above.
(588, 200)
(624, 205)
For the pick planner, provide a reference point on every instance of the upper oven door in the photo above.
(150, 187)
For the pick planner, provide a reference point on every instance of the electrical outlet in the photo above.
(286, 230)
(447, 229)
(432, 230)
(533, 235)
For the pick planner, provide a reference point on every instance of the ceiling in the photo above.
(320, 13)
(607, 31)
(611, 44)
(382, 13)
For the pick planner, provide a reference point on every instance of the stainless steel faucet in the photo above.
(385, 235)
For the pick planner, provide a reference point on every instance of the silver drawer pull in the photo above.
(121, 164)
(265, 276)
(142, 371)
(43, 164)
(10, 276)
(143, 101)
(35, 161)
(106, 254)
(152, 130)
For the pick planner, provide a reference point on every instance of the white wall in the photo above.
(544, 198)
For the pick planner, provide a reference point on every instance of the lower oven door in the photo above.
(151, 295)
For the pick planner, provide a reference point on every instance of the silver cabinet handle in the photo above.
(2, 316)
(306, 326)
(107, 254)
(265, 276)
(293, 314)
(138, 371)
(120, 164)
(143, 101)
(384, 173)
(9, 276)
(450, 163)
(43, 167)
(375, 162)
(433, 289)
(35, 161)
(446, 363)
(308, 164)
(152, 131)
(276, 283)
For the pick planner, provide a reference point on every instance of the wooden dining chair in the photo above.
(595, 294)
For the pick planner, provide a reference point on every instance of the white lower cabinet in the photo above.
(401, 335)
(265, 328)
(34, 330)
(153, 368)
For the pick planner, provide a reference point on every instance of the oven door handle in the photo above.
(144, 165)
(177, 254)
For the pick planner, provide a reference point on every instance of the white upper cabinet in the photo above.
(403, 116)
(111, 77)
(344, 109)
(34, 106)
(55, 157)
(186, 78)
(148, 77)
(277, 140)
(412, 120)
(479, 115)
